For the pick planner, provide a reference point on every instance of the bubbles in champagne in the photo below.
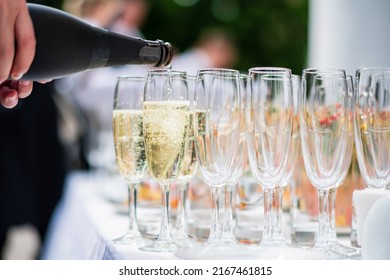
(166, 125)
(129, 144)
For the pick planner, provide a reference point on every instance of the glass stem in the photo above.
(180, 216)
(165, 233)
(267, 231)
(331, 234)
(294, 206)
(228, 226)
(132, 202)
(215, 229)
(277, 233)
(323, 218)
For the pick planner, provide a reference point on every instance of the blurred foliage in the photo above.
(267, 32)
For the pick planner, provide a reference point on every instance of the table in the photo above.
(85, 223)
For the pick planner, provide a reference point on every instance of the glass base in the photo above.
(326, 252)
(347, 252)
(229, 239)
(181, 239)
(274, 243)
(160, 246)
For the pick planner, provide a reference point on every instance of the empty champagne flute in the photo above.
(372, 125)
(166, 127)
(129, 146)
(269, 121)
(278, 235)
(239, 164)
(332, 234)
(325, 127)
(217, 133)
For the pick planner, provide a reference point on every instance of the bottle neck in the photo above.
(117, 49)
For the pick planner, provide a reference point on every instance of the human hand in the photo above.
(17, 44)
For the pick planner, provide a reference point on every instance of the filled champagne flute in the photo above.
(187, 172)
(217, 133)
(269, 121)
(372, 125)
(166, 127)
(129, 146)
(325, 127)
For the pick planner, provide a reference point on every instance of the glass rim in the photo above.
(258, 69)
(223, 70)
(274, 77)
(164, 72)
(370, 70)
(323, 71)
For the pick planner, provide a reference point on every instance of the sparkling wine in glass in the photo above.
(166, 126)
(325, 127)
(129, 146)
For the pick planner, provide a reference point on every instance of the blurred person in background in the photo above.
(214, 49)
(78, 103)
(133, 15)
(92, 92)
(97, 12)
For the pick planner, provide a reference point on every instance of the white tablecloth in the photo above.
(85, 223)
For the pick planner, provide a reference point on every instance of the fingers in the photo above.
(23, 88)
(8, 97)
(11, 91)
(17, 44)
(25, 44)
(7, 44)
(17, 50)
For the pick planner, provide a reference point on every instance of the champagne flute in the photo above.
(187, 172)
(278, 236)
(331, 234)
(325, 127)
(217, 132)
(269, 120)
(372, 125)
(129, 146)
(239, 164)
(166, 127)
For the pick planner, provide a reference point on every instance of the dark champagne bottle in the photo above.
(67, 45)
